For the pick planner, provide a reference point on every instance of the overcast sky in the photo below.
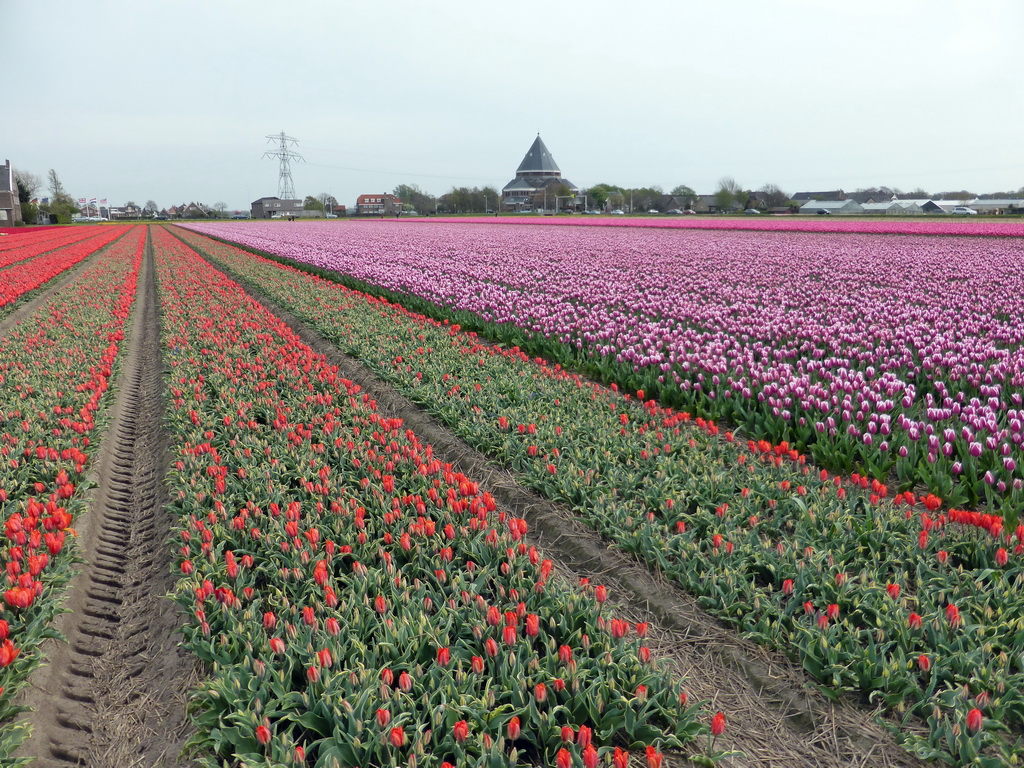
(173, 101)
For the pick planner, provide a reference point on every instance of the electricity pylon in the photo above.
(285, 189)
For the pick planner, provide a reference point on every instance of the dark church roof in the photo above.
(537, 171)
(538, 161)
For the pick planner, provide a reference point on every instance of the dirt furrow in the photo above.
(115, 693)
(778, 718)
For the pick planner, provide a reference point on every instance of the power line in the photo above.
(401, 173)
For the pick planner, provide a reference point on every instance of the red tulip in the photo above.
(461, 731)
(513, 729)
(532, 625)
(397, 736)
(263, 734)
(620, 759)
(584, 736)
(383, 717)
(718, 724)
(975, 720)
(444, 656)
(654, 757)
(589, 756)
(563, 759)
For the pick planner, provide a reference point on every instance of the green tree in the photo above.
(312, 204)
(415, 199)
(598, 195)
(61, 204)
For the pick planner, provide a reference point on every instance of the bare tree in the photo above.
(328, 201)
(773, 196)
(29, 182)
(151, 208)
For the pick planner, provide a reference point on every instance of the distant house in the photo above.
(193, 211)
(674, 202)
(709, 204)
(538, 175)
(834, 194)
(841, 207)
(125, 212)
(10, 204)
(269, 207)
(998, 205)
(382, 204)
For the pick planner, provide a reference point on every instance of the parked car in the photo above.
(331, 215)
(690, 212)
(752, 212)
(240, 216)
(618, 212)
(823, 212)
(653, 211)
(963, 210)
(674, 211)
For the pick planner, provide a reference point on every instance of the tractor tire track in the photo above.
(115, 693)
(780, 719)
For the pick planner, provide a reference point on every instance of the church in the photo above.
(537, 183)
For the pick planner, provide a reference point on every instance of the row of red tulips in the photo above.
(25, 269)
(878, 594)
(55, 371)
(359, 601)
(32, 242)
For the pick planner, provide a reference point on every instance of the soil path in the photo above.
(115, 693)
(776, 717)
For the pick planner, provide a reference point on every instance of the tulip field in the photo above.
(883, 591)
(896, 357)
(815, 434)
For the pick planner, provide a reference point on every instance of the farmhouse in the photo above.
(10, 205)
(538, 181)
(380, 204)
(268, 207)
